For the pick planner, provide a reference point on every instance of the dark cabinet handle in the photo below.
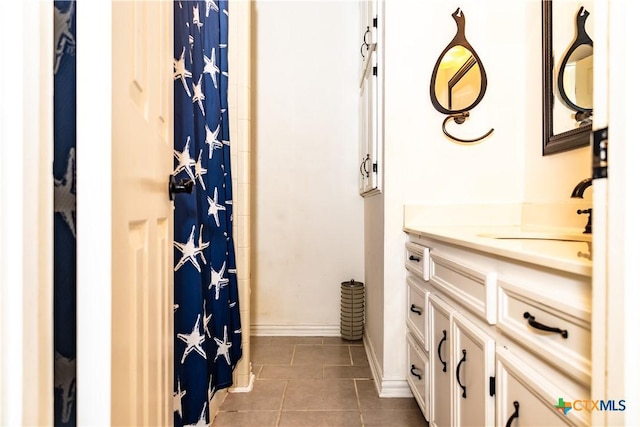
(464, 388)
(365, 43)
(540, 326)
(361, 166)
(413, 368)
(514, 415)
(365, 165)
(414, 258)
(444, 338)
(418, 310)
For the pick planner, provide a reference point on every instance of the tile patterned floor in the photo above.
(313, 382)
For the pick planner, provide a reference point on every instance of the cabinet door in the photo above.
(527, 398)
(369, 103)
(440, 367)
(472, 368)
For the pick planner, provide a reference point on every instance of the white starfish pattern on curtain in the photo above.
(215, 207)
(202, 421)
(211, 68)
(211, 5)
(200, 170)
(206, 319)
(218, 281)
(181, 72)
(65, 380)
(62, 34)
(198, 96)
(190, 251)
(177, 399)
(64, 201)
(194, 341)
(223, 347)
(211, 139)
(184, 160)
(196, 17)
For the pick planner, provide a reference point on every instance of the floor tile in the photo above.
(313, 382)
(405, 418)
(321, 355)
(295, 340)
(361, 372)
(339, 341)
(320, 419)
(368, 397)
(246, 419)
(358, 355)
(265, 396)
(291, 372)
(263, 354)
(260, 340)
(320, 395)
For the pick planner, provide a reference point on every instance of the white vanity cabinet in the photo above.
(441, 366)
(417, 335)
(504, 339)
(370, 101)
(462, 368)
(473, 370)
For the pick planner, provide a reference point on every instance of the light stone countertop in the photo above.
(569, 256)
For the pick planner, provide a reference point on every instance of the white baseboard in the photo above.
(246, 389)
(296, 330)
(386, 387)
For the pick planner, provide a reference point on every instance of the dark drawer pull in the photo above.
(414, 258)
(444, 338)
(540, 326)
(464, 388)
(413, 368)
(418, 310)
(514, 415)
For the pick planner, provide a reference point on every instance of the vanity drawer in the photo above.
(469, 286)
(552, 328)
(417, 373)
(417, 308)
(520, 385)
(416, 258)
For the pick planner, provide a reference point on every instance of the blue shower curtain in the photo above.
(207, 313)
(64, 216)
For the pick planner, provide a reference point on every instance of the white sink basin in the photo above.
(537, 235)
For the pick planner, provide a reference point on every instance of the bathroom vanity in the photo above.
(498, 324)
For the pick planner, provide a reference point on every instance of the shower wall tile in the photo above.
(244, 101)
(242, 199)
(242, 135)
(244, 231)
(242, 263)
(244, 167)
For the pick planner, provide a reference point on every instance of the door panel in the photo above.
(142, 285)
(473, 355)
(440, 366)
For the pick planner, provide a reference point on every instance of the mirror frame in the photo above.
(574, 138)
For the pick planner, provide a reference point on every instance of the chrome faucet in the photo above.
(578, 193)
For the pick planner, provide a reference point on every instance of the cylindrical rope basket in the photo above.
(352, 310)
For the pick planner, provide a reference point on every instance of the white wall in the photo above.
(308, 225)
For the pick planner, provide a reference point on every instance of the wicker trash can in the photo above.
(352, 310)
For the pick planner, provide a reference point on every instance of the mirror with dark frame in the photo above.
(458, 81)
(567, 105)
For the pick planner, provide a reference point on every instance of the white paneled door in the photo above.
(125, 296)
(142, 231)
